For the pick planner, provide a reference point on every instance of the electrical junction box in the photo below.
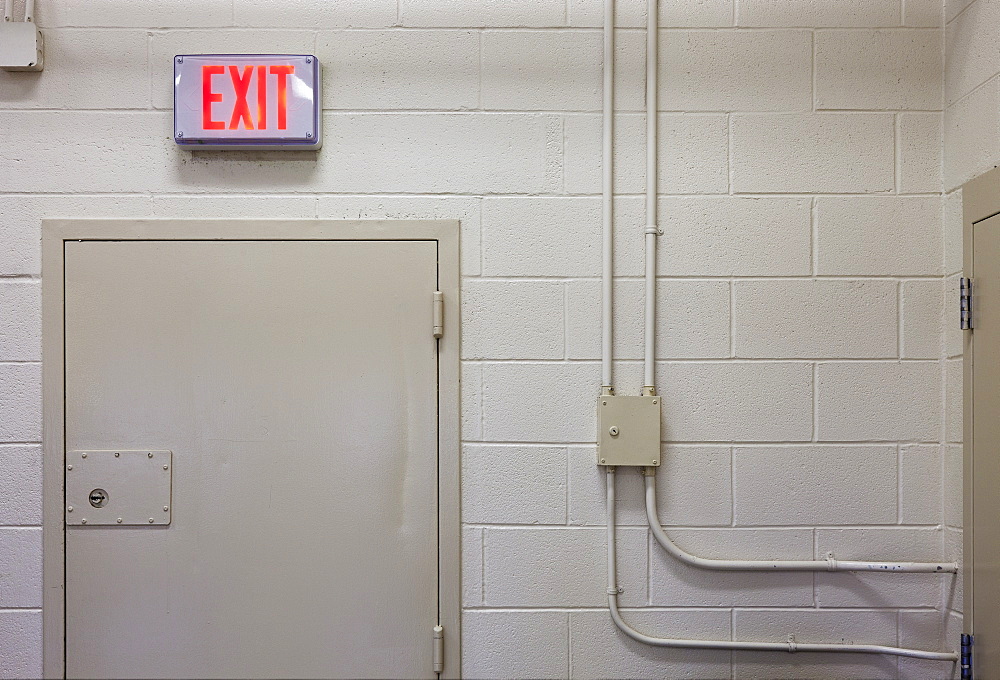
(628, 431)
(20, 46)
(247, 101)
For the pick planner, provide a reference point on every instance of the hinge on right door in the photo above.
(965, 303)
(966, 657)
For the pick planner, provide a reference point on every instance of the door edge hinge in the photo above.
(967, 641)
(438, 649)
(965, 303)
(438, 314)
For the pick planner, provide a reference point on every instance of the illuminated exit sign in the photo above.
(247, 101)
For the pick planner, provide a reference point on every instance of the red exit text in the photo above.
(242, 116)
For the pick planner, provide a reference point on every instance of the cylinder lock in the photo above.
(98, 498)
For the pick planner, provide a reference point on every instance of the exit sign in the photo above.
(247, 101)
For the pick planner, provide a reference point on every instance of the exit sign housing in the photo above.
(247, 101)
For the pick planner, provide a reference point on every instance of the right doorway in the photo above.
(981, 207)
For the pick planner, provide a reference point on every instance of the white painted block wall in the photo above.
(802, 356)
(971, 147)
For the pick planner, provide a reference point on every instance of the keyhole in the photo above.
(98, 498)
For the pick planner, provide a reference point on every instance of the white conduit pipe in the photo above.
(652, 231)
(607, 271)
(789, 646)
(829, 564)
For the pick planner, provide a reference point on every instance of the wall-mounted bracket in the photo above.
(628, 430)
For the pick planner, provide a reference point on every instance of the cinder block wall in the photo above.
(801, 349)
(971, 147)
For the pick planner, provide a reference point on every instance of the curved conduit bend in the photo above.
(789, 646)
(829, 564)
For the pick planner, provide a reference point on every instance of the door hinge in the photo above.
(438, 314)
(438, 649)
(965, 303)
(966, 656)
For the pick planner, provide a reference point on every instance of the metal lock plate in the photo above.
(628, 431)
(118, 488)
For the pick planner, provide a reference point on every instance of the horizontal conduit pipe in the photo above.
(790, 646)
(829, 564)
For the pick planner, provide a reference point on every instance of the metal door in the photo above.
(294, 384)
(985, 473)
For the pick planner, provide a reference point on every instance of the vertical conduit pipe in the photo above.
(607, 271)
(651, 231)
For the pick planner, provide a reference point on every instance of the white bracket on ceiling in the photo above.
(20, 41)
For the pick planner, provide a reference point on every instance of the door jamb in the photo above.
(55, 232)
(980, 200)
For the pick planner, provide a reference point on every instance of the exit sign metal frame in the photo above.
(248, 101)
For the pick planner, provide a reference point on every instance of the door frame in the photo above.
(980, 200)
(55, 232)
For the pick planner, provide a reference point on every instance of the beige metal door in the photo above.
(295, 385)
(985, 427)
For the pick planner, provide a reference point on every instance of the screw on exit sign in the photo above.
(247, 101)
